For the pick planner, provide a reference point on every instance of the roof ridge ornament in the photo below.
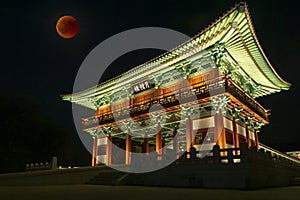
(242, 7)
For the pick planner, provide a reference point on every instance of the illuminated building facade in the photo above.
(223, 66)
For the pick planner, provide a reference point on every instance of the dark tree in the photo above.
(28, 135)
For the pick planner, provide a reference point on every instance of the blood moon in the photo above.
(67, 26)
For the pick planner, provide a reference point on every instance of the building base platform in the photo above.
(251, 169)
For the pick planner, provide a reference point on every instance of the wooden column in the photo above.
(248, 137)
(109, 149)
(219, 133)
(158, 141)
(188, 135)
(256, 139)
(128, 148)
(193, 135)
(95, 151)
(235, 133)
(175, 142)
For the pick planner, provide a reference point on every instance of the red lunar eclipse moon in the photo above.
(67, 26)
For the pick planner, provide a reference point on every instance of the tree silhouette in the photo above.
(28, 135)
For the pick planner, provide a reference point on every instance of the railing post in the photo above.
(244, 152)
(216, 154)
(193, 152)
(261, 151)
(230, 156)
(269, 155)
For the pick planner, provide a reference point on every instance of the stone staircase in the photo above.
(109, 176)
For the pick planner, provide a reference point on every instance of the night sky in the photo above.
(38, 63)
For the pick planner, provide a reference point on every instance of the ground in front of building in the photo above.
(86, 192)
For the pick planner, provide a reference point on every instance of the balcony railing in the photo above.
(243, 155)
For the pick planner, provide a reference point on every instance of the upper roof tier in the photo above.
(234, 31)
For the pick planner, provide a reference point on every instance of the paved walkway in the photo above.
(86, 192)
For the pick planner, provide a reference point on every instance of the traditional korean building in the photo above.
(223, 67)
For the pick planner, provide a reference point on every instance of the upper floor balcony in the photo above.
(188, 94)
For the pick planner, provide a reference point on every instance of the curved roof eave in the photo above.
(259, 57)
